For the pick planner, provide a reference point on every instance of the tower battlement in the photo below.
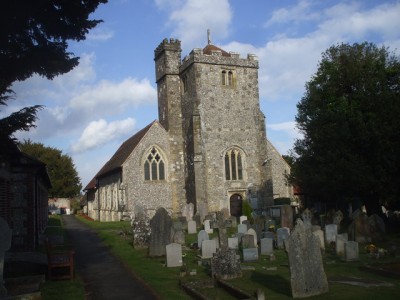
(171, 45)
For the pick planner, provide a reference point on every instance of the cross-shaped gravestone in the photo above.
(221, 224)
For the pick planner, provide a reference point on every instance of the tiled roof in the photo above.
(91, 185)
(119, 157)
(209, 48)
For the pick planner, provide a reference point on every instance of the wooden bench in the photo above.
(59, 259)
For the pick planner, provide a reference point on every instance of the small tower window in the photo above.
(227, 78)
(223, 77)
(154, 167)
(184, 84)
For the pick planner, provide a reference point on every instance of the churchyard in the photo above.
(259, 259)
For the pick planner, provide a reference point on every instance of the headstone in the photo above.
(360, 230)
(233, 221)
(250, 254)
(174, 255)
(242, 228)
(282, 234)
(140, 228)
(5, 244)
(287, 216)
(248, 241)
(330, 233)
(252, 232)
(320, 234)
(202, 209)
(267, 246)
(341, 239)
(179, 237)
(208, 248)
(225, 264)
(207, 226)
(307, 275)
(188, 211)
(192, 227)
(242, 218)
(233, 243)
(221, 224)
(307, 216)
(202, 236)
(178, 226)
(161, 232)
(377, 227)
(337, 218)
(351, 251)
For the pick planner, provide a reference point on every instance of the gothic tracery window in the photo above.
(154, 166)
(233, 165)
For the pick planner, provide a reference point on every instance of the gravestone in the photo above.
(208, 248)
(5, 244)
(202, 236)
(359, 229)
(248, 241)
(307, 216)
(307, 275)
(140, 228)
(161, 232)
(282, 234)
(337, 218)
(178, 226)
(192, 227)
(252, 232)
(188, 211)
(242, 218)
(179, 237)
(174, 255)
(341, 239)
(250, 254)
(207, 226)
(242, 228)
(233, 243)
(225, 264)
(351, 252)
(202, 210)
(320, 234)
(330, 233)
(287, 216)
(267, 246)
(221, 224)
(233, 221)
(377, 227)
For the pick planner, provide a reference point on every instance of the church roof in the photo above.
(209, 48)
(119, 157)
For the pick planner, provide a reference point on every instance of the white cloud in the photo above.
(108, 98)
(191, 19)
(100, 132)
(100, 34)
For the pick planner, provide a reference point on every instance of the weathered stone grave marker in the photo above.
(174, 255)
(330, 233)
(287, 216)
(207, 226)
(208, 248)
(161, 232)
(282, 234)
(351, 252)
(341, 239)
(307, 275)
(202, 236)
(192, 227)
(267, 246)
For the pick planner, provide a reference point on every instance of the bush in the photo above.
(247, 210)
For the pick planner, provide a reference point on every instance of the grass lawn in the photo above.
(272, 277)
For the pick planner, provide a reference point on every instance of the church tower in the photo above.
(167, 58)
(223, 129)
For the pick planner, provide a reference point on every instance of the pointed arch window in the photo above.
(154, 166)
(233, 165)
(227, 78)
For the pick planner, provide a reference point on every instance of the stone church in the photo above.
(208, 146)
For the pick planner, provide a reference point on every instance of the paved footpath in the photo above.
(104, 275)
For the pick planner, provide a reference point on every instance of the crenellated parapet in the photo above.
(170, 45)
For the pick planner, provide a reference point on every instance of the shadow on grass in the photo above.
(273, 282)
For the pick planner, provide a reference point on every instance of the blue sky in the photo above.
(111, 95)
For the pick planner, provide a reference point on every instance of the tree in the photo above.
(33, 39)
(349, 116)
(63, 175)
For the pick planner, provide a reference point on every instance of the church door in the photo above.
(236, 205)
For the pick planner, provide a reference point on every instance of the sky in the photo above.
(90, 111)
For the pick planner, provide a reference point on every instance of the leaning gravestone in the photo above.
(161, 232)
(282, 234)
(5, 244)
(201, 237)
(287, 216)
(307, 275)
(174, 255)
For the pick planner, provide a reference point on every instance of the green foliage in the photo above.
(282, 201)
(349, 119)
(33, 39)
(247, 210)
(63, 175)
